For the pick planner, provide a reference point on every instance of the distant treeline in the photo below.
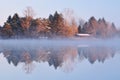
(55, 26)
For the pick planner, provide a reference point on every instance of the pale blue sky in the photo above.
(82, 8)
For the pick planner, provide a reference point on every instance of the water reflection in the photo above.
(99, 54)
(57, 56)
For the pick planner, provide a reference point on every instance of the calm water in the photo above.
(59, 60)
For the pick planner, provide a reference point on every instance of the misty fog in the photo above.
(62, 53)
(33, 43)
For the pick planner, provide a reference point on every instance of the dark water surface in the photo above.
(59, 60)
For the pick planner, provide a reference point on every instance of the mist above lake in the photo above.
(57, 52)
(59, 42)
(38, 58)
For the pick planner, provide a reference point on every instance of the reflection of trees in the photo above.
(63, 56)
(28, 67)
(96, 53)
(69, 58)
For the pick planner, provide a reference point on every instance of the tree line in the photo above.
(54, 26)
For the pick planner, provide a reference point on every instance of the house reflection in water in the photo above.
(59, 56)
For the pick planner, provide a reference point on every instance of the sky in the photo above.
(109, 9)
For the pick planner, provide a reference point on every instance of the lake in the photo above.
(60, 59)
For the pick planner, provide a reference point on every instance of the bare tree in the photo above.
(68, 15)
(70, 21)
(81, 22)
(29, 12)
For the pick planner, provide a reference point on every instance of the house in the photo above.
(83, 35)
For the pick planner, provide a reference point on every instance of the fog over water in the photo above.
(58, 58)
(59, 42)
